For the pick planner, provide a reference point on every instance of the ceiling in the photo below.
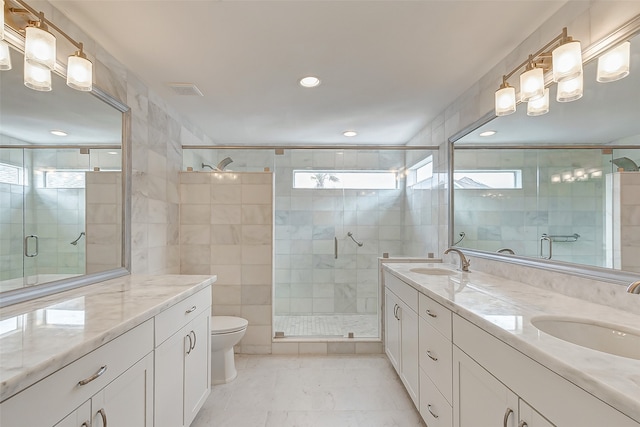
(387, 67)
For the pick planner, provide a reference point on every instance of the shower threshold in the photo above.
(327, 326)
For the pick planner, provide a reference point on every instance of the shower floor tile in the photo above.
(329, 325)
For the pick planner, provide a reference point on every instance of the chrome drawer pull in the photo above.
(431, 412)
(507, 414)
(430, 313)
(194, 340)
(190, 342)
(101, 371)
(523, 424)
(103, 414)
(85, 424)
(191, 310)
(435, 359)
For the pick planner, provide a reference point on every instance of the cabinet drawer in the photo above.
(404, 291)
(434, 408)
(60, 393)
(436, 315)
(433, 345)
(175, 317)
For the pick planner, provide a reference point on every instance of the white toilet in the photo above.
(226, 331)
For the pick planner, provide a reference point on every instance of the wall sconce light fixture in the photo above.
(614, 65)
(5, 56)
(40, 51)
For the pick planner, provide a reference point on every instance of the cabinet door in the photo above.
(409, 350)
(169, 380)
(529, 417)
(127, 400)
(197, 367)
(391, 329)
(481, 399)
(81, 417)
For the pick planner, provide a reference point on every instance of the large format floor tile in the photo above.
(310, 391)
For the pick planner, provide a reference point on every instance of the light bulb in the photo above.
(570, 90)
(531, 84)
(567, 61)
(539, 106)
(5, 56)
(37, 78)
(614, 65)
(505, 102)
(79, 73)
(40, 48)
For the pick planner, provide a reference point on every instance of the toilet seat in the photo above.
(227, 324)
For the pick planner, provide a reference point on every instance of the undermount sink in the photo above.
(600, 336)
(432, 271)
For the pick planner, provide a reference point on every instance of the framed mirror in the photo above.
(64, 187)
(561, 190)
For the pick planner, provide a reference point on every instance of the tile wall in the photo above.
(226, 229)
(103, 195)
(623, 216)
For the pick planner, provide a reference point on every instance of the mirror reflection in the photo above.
(564, 186)
(60, 182)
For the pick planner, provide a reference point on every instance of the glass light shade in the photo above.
(40, 48)
(531, 84)
(79, 73)
(505, 101)
(37, 78)
(5, 56)
(614, 65)
(1, 19)
(570, 90)
(567, 61)
(539, 106)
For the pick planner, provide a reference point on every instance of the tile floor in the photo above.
(310, 391)
(329, 325)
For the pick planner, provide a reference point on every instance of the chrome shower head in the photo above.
(224, 163)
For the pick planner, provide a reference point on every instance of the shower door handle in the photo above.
(335, 247)
(26, 246)
(542, 240)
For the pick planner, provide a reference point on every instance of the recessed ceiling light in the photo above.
(488, 133)
(57, 132)
(309, 81)
(349, 133)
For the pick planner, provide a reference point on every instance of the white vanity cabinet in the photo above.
(495, 384)
(435, 360)
(401, 332)
(113, 383)
(183, 360)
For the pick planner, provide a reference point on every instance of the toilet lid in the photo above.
(226, 324)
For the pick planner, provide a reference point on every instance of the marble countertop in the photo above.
(39, 337)
(504, 308)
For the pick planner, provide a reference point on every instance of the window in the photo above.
(64, 179)
(10, 174)
(420, 172)
(487, 179)
(354, 180)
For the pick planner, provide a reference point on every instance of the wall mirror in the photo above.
(561, 190)
(64, 197)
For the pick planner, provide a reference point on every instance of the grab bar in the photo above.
(350, 234)
(563, 238)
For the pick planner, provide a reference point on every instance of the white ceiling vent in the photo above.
(185, 89)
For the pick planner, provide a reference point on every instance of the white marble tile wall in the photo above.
(623, 216)
(103, 221)
(586, 21)
(226, 229)
(11, 219)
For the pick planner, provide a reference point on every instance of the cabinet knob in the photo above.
(507, 414)
(431, 411)
(431, 356)
(101, 371)
(430, 313)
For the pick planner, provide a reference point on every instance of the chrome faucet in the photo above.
(634, 288)
(464, 262)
